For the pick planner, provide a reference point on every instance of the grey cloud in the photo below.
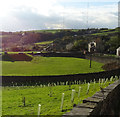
(34, 20)
(27, 19)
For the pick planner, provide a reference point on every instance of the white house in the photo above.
(23, 34)
(69, 46)
(118, 51)
(91, 46)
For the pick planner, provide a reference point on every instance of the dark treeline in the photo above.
(32, 37)
(14, 39)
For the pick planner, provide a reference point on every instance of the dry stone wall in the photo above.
(106, 102)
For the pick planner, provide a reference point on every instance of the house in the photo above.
(69, 46)
(118, 51)
(92, 46)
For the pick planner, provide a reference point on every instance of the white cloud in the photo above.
(41, 14)
(88, 1)
(39, 6)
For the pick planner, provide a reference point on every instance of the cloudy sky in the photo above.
(18, 15)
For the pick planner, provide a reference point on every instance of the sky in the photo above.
(21, 15)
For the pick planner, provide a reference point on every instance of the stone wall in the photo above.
(103, 59)
(8, 80)
(60, 54)
(95, 57)
(106, 102)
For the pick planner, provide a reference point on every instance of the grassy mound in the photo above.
(40, 66)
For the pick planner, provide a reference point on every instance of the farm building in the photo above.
(118, 51)
(96, 46)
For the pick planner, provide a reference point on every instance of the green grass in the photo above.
(46, 31)
(109, 30)
(4, 36)
(49, 66)
(12, 103)
(75, 30)
(19, 52)
(44, 42)
(105, 33)
(53, 30)
(106, 55)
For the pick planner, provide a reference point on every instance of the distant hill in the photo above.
(79, 38)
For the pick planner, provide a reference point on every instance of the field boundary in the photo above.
(9, 80)
(100, 104)
(60, 54)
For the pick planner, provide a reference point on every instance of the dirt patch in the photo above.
(17, 57)
(20, 57)
(111, 66)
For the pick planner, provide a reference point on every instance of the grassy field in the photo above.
(49, 66)
(53, 30)
(44, 42)
(105, 33)
(48, 96)
(46, 31)
(20, 52)
(3, 36)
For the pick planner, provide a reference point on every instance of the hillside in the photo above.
(60, 40)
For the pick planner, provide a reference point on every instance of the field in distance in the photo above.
(44, 42)
(40, 66)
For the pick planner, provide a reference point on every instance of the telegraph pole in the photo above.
(90, 60)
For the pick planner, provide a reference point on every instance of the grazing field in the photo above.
(105, 33)
(49, 66)
(46, 31)
(48, 96)
(44, 42)
(53, 30)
